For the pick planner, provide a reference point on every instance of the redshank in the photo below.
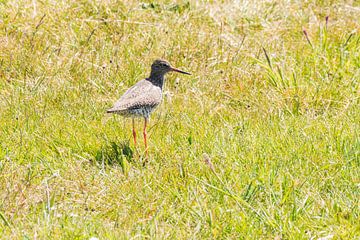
(142, 98)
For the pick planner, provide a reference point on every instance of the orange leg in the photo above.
(133, 130)
(145, 135)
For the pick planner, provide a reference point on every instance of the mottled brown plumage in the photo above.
(142, 98)
(139, 100)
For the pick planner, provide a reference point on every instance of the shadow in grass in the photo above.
(115, 153)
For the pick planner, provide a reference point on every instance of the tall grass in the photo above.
(261, 142)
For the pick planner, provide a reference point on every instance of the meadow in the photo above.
(262, 141)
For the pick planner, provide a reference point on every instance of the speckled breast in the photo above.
(138, 112)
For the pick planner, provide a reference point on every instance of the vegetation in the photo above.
(261, 142)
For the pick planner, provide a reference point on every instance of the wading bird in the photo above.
(142, 98)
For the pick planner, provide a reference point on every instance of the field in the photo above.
(262, 141)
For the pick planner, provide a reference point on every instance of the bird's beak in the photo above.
(179, 71)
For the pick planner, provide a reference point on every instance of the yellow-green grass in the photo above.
(261, 142)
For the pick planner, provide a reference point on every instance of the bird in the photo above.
(141, 99)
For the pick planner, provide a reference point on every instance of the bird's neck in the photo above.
(157, 79)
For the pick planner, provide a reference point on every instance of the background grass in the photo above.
(262, 141)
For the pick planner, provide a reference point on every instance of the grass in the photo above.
(261, 142)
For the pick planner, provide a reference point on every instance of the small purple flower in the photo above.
(326, 20)
(305, 33)
(307, 37)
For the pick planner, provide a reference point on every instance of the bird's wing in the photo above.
(144, 93)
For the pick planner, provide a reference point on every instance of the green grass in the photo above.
(261, 142)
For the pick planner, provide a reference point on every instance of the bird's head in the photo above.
(162, 67)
